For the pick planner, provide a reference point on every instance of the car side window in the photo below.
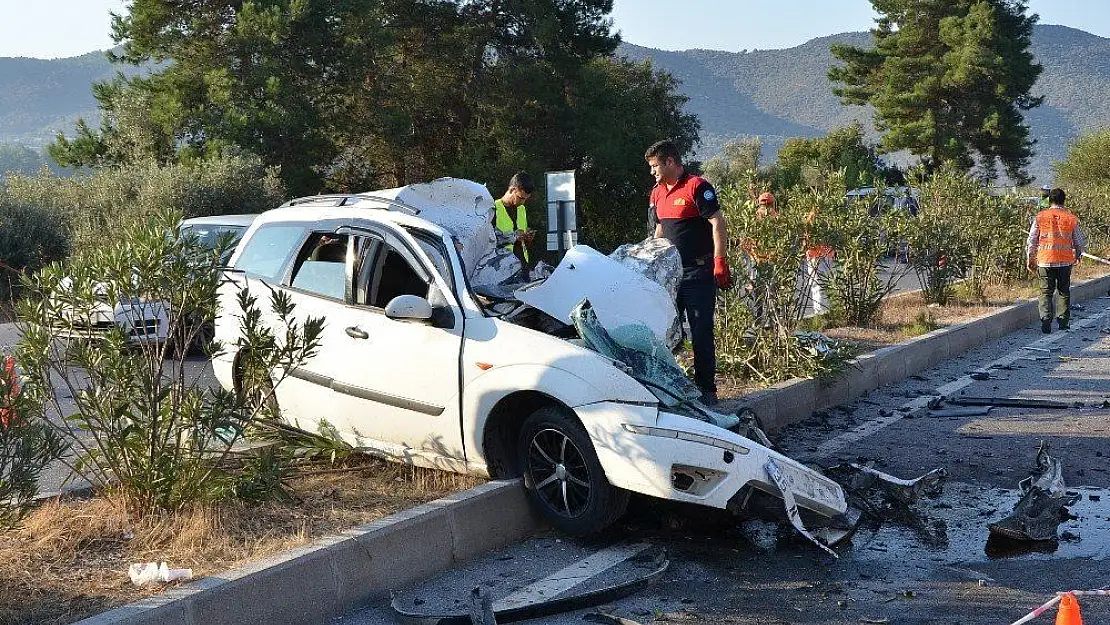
(384, 273)
(268, 250)
(321, 266)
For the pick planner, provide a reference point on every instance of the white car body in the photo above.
(143, 321)
(452, 392)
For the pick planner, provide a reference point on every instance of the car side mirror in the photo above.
(410, 307)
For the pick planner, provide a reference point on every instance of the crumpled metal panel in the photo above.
(619, 295)
(659, 261)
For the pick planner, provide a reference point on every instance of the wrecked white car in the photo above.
(432, 355)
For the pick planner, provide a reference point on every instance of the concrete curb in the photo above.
(337, 574)
(795, 400)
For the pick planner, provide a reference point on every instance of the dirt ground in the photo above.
(69, 559)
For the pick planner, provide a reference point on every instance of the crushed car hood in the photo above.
(620, 295)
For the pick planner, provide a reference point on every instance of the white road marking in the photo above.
(573, 575)
(920, 404)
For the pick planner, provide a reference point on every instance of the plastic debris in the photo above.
(142, 573)
(795, 517)
(970, 411)
(1042, 507)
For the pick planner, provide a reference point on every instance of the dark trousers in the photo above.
(1055, 281)
(697, 296)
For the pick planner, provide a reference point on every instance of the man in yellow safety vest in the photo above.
(510, 217)
(1055, 243)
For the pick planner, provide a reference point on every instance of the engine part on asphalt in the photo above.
(650, 566)
(1009, 402)
(1043, 505)
(969, 411)
(792, 513)
(649, 361)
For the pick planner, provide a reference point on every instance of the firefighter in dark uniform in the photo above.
(686, 212)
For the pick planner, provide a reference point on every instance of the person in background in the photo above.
(686, 213)
(1055, 244)
(819, 257)
(1044, 203)
(510, 217)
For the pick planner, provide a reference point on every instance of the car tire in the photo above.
(563, 477)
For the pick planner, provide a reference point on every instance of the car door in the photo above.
(397, 381)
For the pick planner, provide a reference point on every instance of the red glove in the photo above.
(721, 273)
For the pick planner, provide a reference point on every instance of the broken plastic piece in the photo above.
(1009, 402)
(777, 477)
(857, 477)
(650, 566)
(1041, 509)
(970, 411)
(142, 573)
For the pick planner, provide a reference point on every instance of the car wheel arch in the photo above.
(503, 426)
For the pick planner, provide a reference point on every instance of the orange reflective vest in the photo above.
(1056, 244)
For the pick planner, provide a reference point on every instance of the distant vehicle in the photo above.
(142, 321)
(898, 198)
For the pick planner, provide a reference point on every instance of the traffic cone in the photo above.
(1068, 614)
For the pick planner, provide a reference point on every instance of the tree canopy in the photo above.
(811, 161)
(350, 95)
(1087, 161)
(948, 80)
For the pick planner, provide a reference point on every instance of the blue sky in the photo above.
(61, 28)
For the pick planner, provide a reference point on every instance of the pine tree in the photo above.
(949, 81)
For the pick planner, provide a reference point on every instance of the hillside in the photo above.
(782, 93)
(774, 94)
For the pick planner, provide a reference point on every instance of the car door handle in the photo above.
(356, 332)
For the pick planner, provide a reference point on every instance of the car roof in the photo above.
(324, 207)
(243, 220)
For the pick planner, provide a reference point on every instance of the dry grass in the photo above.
(69, 559)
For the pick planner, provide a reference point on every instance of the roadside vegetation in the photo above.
(208, 478)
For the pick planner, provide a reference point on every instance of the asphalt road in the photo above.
(935, 568)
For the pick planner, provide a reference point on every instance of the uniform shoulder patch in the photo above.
(708, 195)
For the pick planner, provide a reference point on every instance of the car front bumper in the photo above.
(682, 459)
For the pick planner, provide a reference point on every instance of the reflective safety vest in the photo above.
(505, 223)
(1057, 236)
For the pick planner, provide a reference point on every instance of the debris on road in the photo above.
(969, 411)
(858, 478)
(643, 569)
(1009, 402)
(792, 513)
(143, 573)
(1043, 504)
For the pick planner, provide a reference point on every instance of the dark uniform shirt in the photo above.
(683, 212)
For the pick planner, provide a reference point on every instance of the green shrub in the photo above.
(27, 445)
(141, 423)
(96, 206)
(31, 237)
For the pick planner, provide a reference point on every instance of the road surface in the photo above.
(941, 572)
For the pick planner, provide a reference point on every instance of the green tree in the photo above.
(736, 164)
(949, 81)
(1085, 164)
(813, 161)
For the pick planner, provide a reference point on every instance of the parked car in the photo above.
(896, 198)
(144, 321)
(414, 366)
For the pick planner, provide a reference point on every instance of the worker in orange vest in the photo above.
(1055, 243)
